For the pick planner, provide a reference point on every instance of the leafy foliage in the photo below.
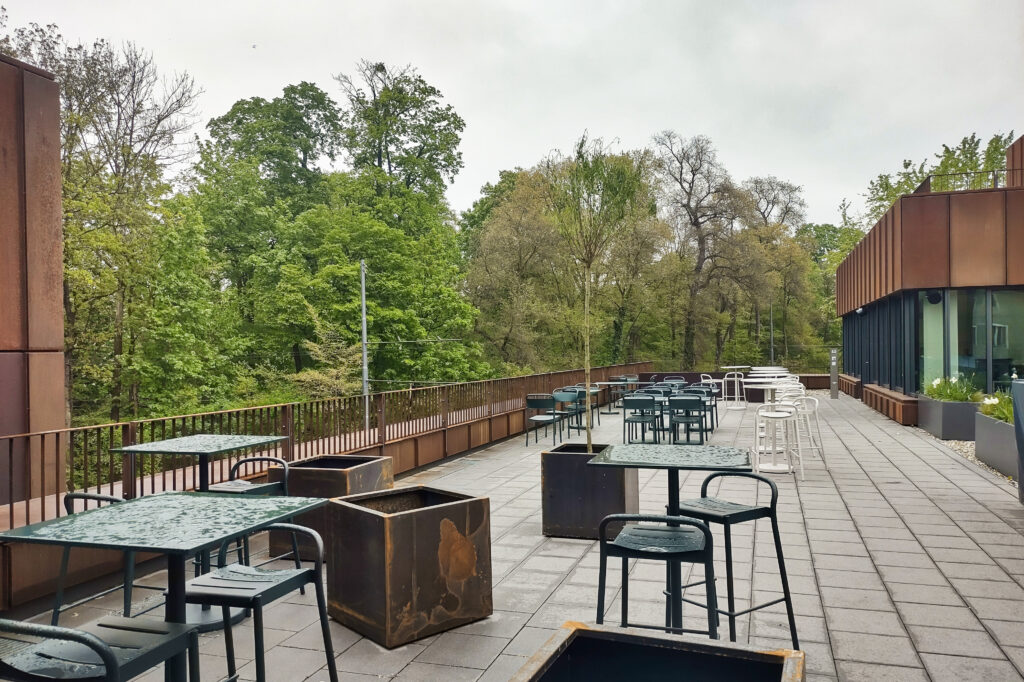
(998, 405)
(959, 388)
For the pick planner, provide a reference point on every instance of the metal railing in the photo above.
(958, 182)
(36, 469)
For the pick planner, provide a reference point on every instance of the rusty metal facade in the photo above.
(31, 278)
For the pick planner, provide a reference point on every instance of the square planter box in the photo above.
(599, 653)
(946, 419)
(995, 444)
(408, 563)
(576, 496)
(327, 476)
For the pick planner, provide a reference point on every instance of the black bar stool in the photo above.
(715, 510)
(680, 539)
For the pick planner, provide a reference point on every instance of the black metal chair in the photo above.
(674, 539)
(705, 393)
(240, 486)
(689, 411)
(251, 587)
(581, 400)
(544, 405)
(715, 510)
(129, 565)
(126, 648)
(644, 414)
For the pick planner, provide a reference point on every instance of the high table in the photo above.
(175, 524)
(203, 446)
(673, 459)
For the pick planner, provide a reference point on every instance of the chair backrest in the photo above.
(69, 500)
(540, 401)
(618, 378)
(806, 404)
(706, 377)
(685, 402)
(102, 650)
(696, 389)
(638, 402)
(233, 472)
(675, 378)
(564, 396)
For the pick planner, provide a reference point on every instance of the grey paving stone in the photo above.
(528, 641)
(503, 668)
(498, 624)
(856, 579)
(959, 668)
(924, 594)
(855, 671)
(369, 658)
(862, 620)
(996, 609)
(954, 641)
(285, 663)
(932, 614)
(467, 651)
(996, 589)
(869, 648)
(907, 559)
(848, 598)
(428, 672)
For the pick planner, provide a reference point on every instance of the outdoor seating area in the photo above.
(899, 560)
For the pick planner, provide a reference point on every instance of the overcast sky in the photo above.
(823, 94)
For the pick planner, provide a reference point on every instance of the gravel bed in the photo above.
(965, 448)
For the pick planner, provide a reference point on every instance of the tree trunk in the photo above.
(296, 358)
(69, 354)
(586, 356)
(115, 378)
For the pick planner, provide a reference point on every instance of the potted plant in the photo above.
(995, 443)
(947, 408)
(575, 496)
(408, 563)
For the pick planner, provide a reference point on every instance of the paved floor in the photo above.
(907, 563)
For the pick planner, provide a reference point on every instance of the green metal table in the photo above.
(673, 459)
(176, 524)
(201, 445)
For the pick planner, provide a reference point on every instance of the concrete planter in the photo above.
(408, 563)
(575, 496)
(995, 444)
(946, 419)
(596, 652)
(328, 476)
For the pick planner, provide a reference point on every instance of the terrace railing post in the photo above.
(382, 421)
(129, 436)
(444, 406)
(288, 429)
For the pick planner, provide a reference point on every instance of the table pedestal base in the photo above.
(209, 619)
(773, 468)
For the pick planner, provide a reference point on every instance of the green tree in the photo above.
(395, 122)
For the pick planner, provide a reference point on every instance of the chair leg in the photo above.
(129, 581)
(601, 571)
(729, 589)
(785, 582)
(229, 641)
(257, 623)
(298, 558)
(58, 598)
(193, 657)
(625, 591)
(321, 603)
(711, 596)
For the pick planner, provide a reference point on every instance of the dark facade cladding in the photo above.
(936, 287)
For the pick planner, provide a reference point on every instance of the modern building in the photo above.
(936, 289)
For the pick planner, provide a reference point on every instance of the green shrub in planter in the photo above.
(959, 388)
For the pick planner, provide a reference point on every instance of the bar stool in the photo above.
(680, 539)
(716, 510)
(771, 419)
(739, 394)
(806, 409)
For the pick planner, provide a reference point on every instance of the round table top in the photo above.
(735, 367)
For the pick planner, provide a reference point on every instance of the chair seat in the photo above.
(240, 486)
(658, 540)
(639, 418)
(546, 418)
(721, 511)
(687, 419)
(138, 644)
(238, 585)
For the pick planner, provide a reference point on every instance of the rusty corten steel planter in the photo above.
(328, 476)
(575, 496)
(610, 654)
(408, 563)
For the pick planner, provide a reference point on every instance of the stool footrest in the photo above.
(666, 628)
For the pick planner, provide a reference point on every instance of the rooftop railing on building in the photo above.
(959, 182)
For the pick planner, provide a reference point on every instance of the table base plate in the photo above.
(208, 620)
(777, 468)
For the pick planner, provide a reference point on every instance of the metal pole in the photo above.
(833, 364)
(771, 332)
(366, 369)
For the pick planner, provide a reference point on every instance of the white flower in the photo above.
(991, 400)
(952, 380)
(1013, 376)
(937, 381)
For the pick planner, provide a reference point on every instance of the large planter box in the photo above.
(408, 563)
(327, 476)
(995, 444)
(946, 419)
(600, 654)
(576, 496)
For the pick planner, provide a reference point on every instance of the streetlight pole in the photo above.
(366, 369)
(771, 333)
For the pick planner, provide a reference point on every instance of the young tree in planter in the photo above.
(593, 193)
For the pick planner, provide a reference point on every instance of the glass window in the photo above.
(1007, 337)
(968, 336)
(929, 336)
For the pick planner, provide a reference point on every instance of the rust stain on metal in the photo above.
(456, 554)
(796, 658)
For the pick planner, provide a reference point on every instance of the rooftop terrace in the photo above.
(906, 562)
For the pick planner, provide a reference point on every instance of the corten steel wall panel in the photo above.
(925, 242)
(429, 448)
(46, 413)
(43, 214)
(1015, 163)
(13, 420)
(977, 239)
(12, 273)
(1015, 237)
(457, 440)
(897, 246)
